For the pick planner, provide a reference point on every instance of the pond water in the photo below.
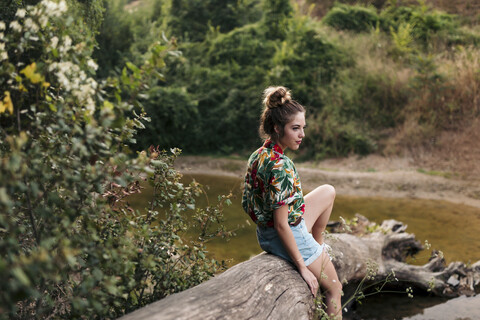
(451, 228)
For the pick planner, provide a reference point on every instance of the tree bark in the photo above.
(264, 287)
(268, 287)
(388, 248)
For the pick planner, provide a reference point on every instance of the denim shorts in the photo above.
(309, 248)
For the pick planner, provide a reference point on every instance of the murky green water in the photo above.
(451, 228)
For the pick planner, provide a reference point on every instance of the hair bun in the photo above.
(274, 97)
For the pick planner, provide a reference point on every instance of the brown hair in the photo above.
(279, 109)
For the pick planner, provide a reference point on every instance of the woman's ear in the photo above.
(275, 127)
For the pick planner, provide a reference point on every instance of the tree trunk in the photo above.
(388, 248)
(264, 287)
(268, 287)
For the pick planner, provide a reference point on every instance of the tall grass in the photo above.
(366, 101)
(404, 101)
(442, 114)
(462, 71)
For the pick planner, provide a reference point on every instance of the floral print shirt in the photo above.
(271, 181)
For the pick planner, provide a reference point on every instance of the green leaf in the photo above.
(132, 67)
(21, 276)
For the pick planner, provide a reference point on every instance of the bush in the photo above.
(174, 117)
(353, 18)
(228, 105)
(372, 99)
(70, 245)
(427, 24)
(114, 39)
(330, 135)
(307, 62)
(240, 46)
(190, 19)
(276, 15)
(227, 73)
(88, 11)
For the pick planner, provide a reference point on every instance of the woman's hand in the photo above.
(310, 279)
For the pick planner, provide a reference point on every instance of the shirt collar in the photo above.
(272, 145)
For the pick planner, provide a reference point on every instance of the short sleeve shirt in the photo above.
(271, 181)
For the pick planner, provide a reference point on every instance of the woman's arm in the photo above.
(280, 219)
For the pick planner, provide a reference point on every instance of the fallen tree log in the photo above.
(388, 249)
(267, 287)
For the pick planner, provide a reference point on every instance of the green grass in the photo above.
(447, 175)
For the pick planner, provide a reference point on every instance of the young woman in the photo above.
(290, 225)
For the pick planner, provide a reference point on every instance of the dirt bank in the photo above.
(372, 176)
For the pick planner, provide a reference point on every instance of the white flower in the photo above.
(1, 35)
(49, 6)
(54, 9)
(15, 26)
(30, 25)
(64, 81)
(67, 45)
(34, 11)
(52, 66)
(90, 106)
(2, 25)
(82, 76)
(62, 6)
(92, 83)
(3, 56)
(2, 46)
(43, 21)
(67, 42)
(21, 13)
(92, 64)
(54, 42)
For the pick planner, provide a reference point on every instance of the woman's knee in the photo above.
(332, 190)
(338, 288)
(335, 287)
(329, 191)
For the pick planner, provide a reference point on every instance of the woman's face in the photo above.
(293, 132)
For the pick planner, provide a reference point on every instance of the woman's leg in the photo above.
(325, 272)
(318, 207)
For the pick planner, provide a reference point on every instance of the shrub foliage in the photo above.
(214, 90)
(354, 18)
(70, 245)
